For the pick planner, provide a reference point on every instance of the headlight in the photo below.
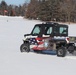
(24, 39)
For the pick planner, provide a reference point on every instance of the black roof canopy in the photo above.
(51, 24)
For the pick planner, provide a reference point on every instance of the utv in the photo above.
(49, 36)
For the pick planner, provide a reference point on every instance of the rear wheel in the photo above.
(25, 48)
(61, 52)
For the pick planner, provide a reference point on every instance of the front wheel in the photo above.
(25, 48)
(61, 52)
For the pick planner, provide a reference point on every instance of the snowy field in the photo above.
(13, 62)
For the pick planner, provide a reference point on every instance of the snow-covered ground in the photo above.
(13, 62)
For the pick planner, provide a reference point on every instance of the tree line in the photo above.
(12, 10)
(52, 10)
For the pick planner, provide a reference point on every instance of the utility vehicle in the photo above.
(49, 36)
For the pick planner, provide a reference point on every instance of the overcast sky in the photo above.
(15, 2)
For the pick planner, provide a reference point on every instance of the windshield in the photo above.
(36, 30)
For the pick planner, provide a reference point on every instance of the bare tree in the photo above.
(68, 6)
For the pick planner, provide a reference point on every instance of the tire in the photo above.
(25, 48)
(61, 52)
